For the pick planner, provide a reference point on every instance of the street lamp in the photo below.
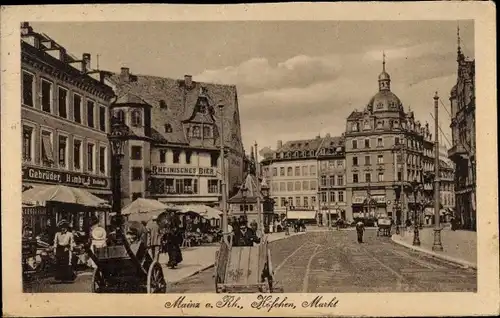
(117, 142)
(264, 189)
(223, 175)
(244, 191)
(416, 187)
(287, 231)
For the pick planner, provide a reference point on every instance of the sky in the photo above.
(295, 79)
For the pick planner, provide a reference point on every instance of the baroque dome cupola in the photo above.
(384, 100)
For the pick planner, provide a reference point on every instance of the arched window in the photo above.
(196, 132)
(207, 132)
(163, 104)
(136, 118)
(119, 115)
(168, 128)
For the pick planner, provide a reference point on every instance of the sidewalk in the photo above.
(458, 246)
(200, 258)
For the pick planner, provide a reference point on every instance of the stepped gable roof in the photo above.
(251, 184)
(172, 103)
(355, 115)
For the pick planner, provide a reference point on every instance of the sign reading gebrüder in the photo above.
(68, 178)
(189, 171)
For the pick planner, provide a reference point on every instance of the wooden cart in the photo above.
(244, 269)
(127, 268)
(384, 227)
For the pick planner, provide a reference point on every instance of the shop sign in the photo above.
(191, 171)
(361, 199)
(67, 178)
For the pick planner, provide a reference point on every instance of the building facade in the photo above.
(64, 117)
(291, 172)
(174, 136)
(463, 150)
(384, 152)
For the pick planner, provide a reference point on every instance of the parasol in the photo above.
(39, 195)
(145, 209)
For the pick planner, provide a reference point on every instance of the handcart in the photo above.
(384, 227)
(245, 269)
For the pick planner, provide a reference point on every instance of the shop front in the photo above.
(369, 207)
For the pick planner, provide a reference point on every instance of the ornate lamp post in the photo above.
(264, 189)
(244, 191)
(416, 188)
(287, 230)
(116, 139)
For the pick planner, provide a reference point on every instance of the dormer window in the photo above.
(354, 127)
(196, 132)
(366, 125)
(202, 106)
(295, 154)
(168, 128)
(136, 118)
(207, 132)
(120, 115)
(380, 105)
(163, 104)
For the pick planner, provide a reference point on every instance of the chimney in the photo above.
(279, 144)
(125, 74)
(85, 62)
(188, 80)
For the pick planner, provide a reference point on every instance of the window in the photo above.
(213, 159)
(289, 171)
(27, 143)
(196, 132)
(289, 186)
(188, 186)
(332, 196)
(169, 186)
(207, 132)
(282, 171)
(340, 180)
(313, 185)
(274, 187)
(305, 185)
(304, 171)
(102, 160)
(275, 172)
(368, 177)
(380, 159)
(28, 89)
(381, 176)
(366, 125)
(313, 201)
(163, 156)
(341, 196)
(90, 157)
(188, 157)
(90, 114)
(297, 185)
(355, 127)
(63, 150)
(282, 187)
(63, 102)
(177, 155)
(120, 115)
(46, 96)
(367, 161)
(77, 108)
(77, 154)
(168, 128)
(323, 181)
(297, 171)
(306, 201)
(354, 161)
(297, 201)
(136, 173)
(322, 197)
(354, 178)
(367, 143)
(331, 181)
(136, 153)
(312, 170)
(340, 164)
(163, 104)
(399, 175)
(102, 118)
(47, 149)
(380, 124)
(380, 142)
(354, 144)
(136, 118)
(283, 201)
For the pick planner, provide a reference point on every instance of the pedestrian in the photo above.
(63, 245)
(360, 228)
(408, 225)
(153, 232)
(97, 239)
(245, 236)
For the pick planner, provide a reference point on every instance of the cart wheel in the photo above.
(98, 283)
(156, 281)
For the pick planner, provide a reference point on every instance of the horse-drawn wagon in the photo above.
(244, 269)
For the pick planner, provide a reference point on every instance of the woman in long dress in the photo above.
(64, 243)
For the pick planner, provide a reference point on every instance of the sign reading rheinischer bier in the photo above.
(189, 171)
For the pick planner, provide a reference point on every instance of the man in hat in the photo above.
(360, 229)
(63, 245)
(154, 237)
(245, 236)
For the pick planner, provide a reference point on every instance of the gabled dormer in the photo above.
(199, 127)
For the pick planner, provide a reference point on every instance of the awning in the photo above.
(47, 147)
(303, 215)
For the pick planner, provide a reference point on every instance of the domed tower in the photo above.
(384, 100)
